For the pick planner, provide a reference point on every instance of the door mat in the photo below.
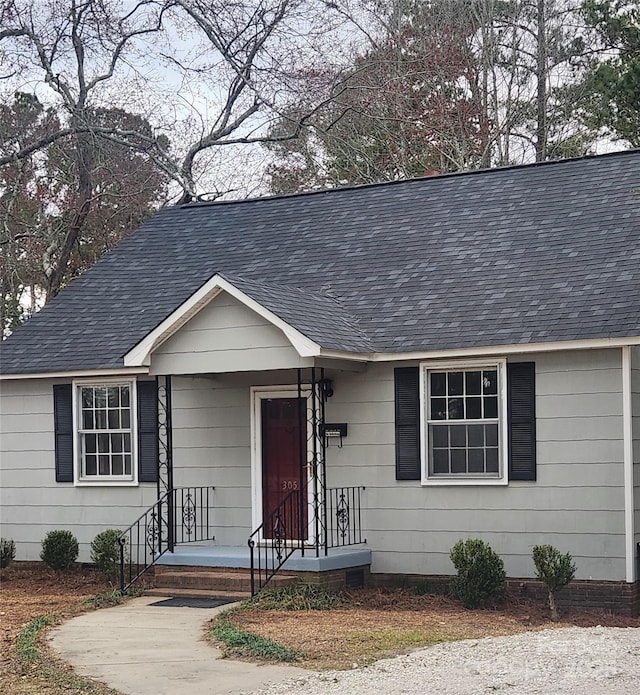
(192, 602)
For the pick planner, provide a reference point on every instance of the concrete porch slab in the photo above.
(238, 557)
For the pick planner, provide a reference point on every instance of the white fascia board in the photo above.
(627, 438)
(79, 374)
(488, 351)
(141, 353)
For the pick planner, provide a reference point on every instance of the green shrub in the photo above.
(59, 549)
(7, 552)
(105, 553)
(555, 570)
(481, 573)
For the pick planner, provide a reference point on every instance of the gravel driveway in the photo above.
(568, 661)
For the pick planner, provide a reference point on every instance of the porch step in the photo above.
(199, 593)
(216, 580)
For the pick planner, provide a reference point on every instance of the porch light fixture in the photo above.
(326, 388)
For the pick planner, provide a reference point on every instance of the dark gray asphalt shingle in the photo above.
(548, 252)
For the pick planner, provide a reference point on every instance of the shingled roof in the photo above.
(529, 254)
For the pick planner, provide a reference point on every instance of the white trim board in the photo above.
(141, 353)
(627, 437)
(81, 374)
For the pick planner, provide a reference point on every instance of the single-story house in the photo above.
(362, 376)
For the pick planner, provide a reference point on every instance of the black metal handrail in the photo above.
(282, 532)
(181, 515)
(344, 516)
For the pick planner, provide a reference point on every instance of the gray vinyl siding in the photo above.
(212, 438)
(225, 336)
(635, 409)
(577, 503)
(31, 501)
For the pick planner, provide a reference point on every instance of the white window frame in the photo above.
(104, 481)
(466, 479)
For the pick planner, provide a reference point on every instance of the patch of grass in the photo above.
(243, 643)
(298, 597)
(106, 599)
(27, 643)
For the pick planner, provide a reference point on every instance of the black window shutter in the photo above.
(407, 404)
(521, 405)
(63, 424)
(147, 431)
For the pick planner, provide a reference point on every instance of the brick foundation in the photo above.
(616, 597)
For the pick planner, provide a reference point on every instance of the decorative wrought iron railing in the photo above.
(287, 530)
(180, 515)
(344, 517)
(277, 538)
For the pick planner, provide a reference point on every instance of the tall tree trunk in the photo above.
(541, 87)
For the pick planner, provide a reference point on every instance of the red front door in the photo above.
(284, 444)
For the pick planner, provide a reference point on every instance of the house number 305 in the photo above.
(289, 484)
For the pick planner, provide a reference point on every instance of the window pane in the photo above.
(458, 435)
(124, 396)
(114, 419)
(491, 406)
(456, 408)
(101, 419)
(473, 383)
(458, 461)
(491, 433)
(117, 465)
(90, 443)
(126, 438)
(103, 443)
(476, 461)
(125, 421)
(474, 408)
(490, 381)
(438, 384)
(87, 398)
(440, 436)
(438, 408)
(116, 442)
(127, 465)
(87, 420)
(103, 465)
(476, 435)
(113, 396)
(101, 397)
(91, 466)
(455, 383)
(492, 460)
(440, 461)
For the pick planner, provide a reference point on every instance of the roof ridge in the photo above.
(416, 179)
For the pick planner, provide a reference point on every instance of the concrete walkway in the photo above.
(143, 649)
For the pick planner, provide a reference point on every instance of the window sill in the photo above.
(464, 482)
(105, 483)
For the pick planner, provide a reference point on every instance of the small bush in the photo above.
(555, 570)
(105, 553)
(481, 573)
(7, 552)
(59, 549)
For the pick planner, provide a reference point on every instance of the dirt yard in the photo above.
(27, 593)
(376, 623)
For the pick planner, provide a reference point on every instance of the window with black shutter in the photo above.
(114, 437)
(475, 428)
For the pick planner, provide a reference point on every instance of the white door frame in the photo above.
(258, 394)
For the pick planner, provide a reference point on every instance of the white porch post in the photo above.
(627, 423)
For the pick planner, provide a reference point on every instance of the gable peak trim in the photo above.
(140, 354)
